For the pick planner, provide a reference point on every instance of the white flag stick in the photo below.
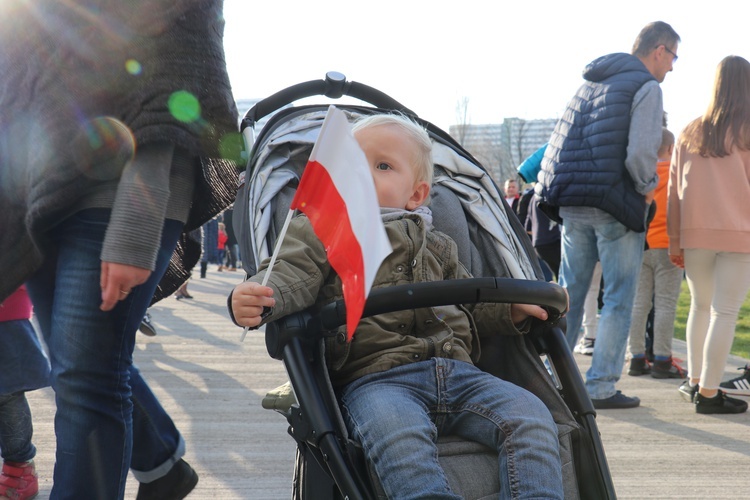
(287, 221)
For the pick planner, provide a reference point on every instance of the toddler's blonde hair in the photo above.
(417, 133)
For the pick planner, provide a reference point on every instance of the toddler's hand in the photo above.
(519, 312)
(248, 300)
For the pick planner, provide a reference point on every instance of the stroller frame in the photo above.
(329, 463)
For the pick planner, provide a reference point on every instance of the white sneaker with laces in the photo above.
(585, 346)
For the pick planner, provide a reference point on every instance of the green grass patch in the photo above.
(741, 345)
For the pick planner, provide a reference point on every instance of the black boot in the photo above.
(639, 366)
(667, 369)
(204, 267)
(176, 485)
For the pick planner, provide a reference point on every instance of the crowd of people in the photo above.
(116, 185)
(630, 200)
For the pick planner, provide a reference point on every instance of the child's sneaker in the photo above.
(585, 346)
(639, 366)
(667, 369)
(688, 391)
(739, 385)
(18, 481)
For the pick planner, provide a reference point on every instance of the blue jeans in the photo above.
(398, 414)
(620, 251)
(107, 419)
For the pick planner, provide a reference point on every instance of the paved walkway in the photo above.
(211, 384)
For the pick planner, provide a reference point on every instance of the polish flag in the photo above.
(338, 195)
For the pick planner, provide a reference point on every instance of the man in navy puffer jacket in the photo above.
(598, 176)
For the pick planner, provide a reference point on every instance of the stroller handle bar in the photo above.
(552, 297)
(334, 86)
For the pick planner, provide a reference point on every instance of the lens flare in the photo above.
(184, 106)
(133, 67)
(103, 147)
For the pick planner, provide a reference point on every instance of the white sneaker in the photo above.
(585, 346)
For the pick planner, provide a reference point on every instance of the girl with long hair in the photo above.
(709, 231)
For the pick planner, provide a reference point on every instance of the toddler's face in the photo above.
(390, 155)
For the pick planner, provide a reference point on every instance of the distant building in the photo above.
(500, 148)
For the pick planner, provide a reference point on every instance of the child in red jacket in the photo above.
(223, 237)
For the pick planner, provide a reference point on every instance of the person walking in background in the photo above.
(709, 231)
(545, 236)
(658, 285)
(598, 176)
(210, 245)
(196, 238)
(110, 151)
(590, 322)
(23, 367)
(512, 194)
(221, 245)
(544, 232)
(232, 246)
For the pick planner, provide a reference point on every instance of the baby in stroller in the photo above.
(407, 377)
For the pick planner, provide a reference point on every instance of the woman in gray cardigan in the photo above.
(117, 137)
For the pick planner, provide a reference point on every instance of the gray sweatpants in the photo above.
(658, 284)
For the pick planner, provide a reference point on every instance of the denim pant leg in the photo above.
(480, 407)
(91, 356)
(16, 428)
(579, 257)
(389, 414)
(157, 444)
(398, 414)
(621, 254)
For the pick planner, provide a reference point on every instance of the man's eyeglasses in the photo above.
(673, 54)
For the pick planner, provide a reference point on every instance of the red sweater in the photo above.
(222, 240)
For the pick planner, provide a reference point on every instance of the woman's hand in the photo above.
(117, 280)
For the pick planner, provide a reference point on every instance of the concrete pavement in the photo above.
(212, 385)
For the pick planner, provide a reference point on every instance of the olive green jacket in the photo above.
(303, 278)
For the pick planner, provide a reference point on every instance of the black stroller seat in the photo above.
(468, 206)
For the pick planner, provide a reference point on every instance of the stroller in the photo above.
(492, 244)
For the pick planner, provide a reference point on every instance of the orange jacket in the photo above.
(657, 231)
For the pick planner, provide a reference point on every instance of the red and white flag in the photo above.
(338, 195)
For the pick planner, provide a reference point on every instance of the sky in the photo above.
(520, 58)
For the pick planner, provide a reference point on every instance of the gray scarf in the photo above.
(389, 214)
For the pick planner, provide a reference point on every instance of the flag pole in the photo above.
(287, 221)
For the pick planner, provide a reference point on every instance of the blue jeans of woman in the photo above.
(620, 251)
(398, 414)
(107, 419)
